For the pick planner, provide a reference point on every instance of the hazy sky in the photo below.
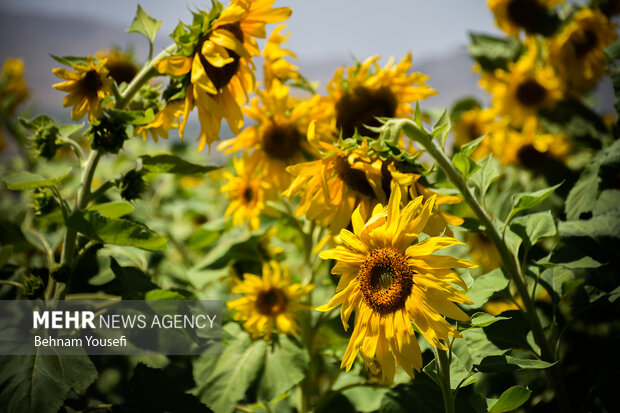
(319, 27)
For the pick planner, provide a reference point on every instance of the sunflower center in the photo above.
(271, 302)
(353, 178)
(583, 42)
(385, 280)
(247, 195)
(531, 93)
(121, 71)
(524, 13)
(92, 82)
(221, 76)
(281, 142)
(358, 109)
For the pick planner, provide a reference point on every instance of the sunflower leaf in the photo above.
(285, 366)
(483, 177)
(532, 228)
(173, 164)
(508, 364)
(485, 286)
(493, 52)
(23, 180)
(145, 25)
(442, 128)
(510, 399)
(526, 200)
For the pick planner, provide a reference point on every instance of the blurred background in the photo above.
(325, 34)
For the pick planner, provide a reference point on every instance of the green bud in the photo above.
(108, 135)
(43, 201)
(45, 135)
(131, 185)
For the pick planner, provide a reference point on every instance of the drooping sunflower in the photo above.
(577, 51)
(215, 60)
(366, 91)
(532, 16)
(393, 281)
(247, 192)
(120, 64)
(276, 66)
(335, 184)
(524, 88)
(268, 303)
(87, 85)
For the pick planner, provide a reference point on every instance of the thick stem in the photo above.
(443, 373)
(510, 263)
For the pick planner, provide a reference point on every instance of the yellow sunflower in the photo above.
(524, 88)
(13, 88)
(483, 251)
(247, 192)
(477, 122)
(514, 15)
(218, 65)
(268, 303)
(87, 85)
(577, 51)
(367, 91)
(167, 118)
(120, 64)
(276, 66)
(393, 282)
(334, 185)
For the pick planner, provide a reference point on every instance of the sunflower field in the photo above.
(369, 252)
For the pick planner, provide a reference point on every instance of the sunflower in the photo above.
(247, 192)
(13, 88)
(477, 122)
(276, 66)
(269, 303)
(334, 185)
(524, 88)
(120, 64)
(577, 51)
(167, 118)
(367, 91)
(217, 63)
(87, 85)
(483, 251)
(533, 16)
(391, 279)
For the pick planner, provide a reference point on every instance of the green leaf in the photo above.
(532, 228)
(464, 164)
(462, 106)
(223, 381)
(5, 254)
(485, 175)
(23, 180)
(526, 200)
(485, 319)
(507, 364)
(442, 128)
(145, 25)
(574, 118)
(130, 283)
(560, 280)
(285, 366)
(598, 228)
(493, 52)
(485, 286)
(132, 117)
(172, 164)
(479, 345)
(421, 395)
(470, 147)
(40, 383)
(157, 295)
(70, 129)
(580, 197)
(114, 209)
(510, 399)
(116, 231)
(73, 60)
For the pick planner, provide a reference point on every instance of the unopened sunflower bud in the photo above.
(43, 201)
(132, 185)
(44, 141)
(108, 135)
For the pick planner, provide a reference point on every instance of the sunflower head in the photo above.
(390, 277)
(166, 118)
(13, 88)
(214, 58)
(120, 64)
(577, 52)
(86, 86)
(268, 303)
(366, 91)
(247, 192)
(531, 16)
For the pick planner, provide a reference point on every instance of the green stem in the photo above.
(13, 283)
(510, 262)
(443, 373)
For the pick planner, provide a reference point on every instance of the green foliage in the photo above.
(494, 52)
(24, 180)
(485, 286)
(485, 175)
(97, 227)
(510, 400)
(114, 209)
(40, 383)
(507, 363)
(173, 164)
(145, 25)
